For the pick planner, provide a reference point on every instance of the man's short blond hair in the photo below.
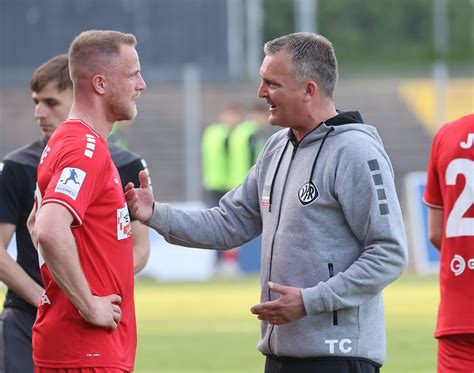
(93, 50)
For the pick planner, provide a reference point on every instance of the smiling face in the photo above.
(51, 107)
(125, 84)
(278, 87)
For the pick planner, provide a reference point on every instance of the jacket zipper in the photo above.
(331, 274)
(274, 234)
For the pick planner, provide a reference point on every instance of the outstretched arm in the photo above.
(12, 274)
(58, 248)
(141, 245)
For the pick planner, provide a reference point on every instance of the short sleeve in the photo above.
(76, 177)
(433, 196)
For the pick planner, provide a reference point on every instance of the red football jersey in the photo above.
(450, 186)
(76, 171)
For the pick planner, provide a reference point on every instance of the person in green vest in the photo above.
(214, 152)
(245, 143)
(215, 173)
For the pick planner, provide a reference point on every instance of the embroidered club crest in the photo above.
(308, 193)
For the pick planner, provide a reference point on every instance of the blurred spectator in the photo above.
(449, 195)
(215, 154)
(245, 143)
(216, 172)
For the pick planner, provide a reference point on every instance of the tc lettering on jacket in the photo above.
(344, 345)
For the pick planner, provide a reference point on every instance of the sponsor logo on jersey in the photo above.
(343, 345)
(70, 182)
(308, 193)
(124, 225)
(458, 264)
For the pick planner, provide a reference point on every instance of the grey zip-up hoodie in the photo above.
(331, 225)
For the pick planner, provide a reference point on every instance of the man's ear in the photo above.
(311, 89)
(98, 82)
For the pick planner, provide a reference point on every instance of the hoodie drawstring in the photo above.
(275, 175)
(319, 151)
(281, 159)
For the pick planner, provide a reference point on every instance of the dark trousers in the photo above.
(17, 330)
(319, 365)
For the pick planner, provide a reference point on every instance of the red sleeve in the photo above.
(433, 196)
(76, 171)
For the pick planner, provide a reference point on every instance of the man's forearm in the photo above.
(141, 245)
(18, 280)
(60, 254)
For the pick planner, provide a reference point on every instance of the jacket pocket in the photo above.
(331, 274)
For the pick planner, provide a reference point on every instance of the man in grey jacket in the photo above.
(322, 195)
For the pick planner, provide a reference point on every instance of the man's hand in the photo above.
(106, 312)
(140, 200)
(289, 307)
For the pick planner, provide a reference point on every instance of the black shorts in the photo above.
(276, 364)
(17, 330)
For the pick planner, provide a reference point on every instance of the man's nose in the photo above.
(261, 91)
(41, 111)
(141, 83)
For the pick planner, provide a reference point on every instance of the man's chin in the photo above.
(274, 121)
(133, 113)
(47, 135)
(126, 116)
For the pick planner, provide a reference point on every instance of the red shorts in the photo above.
(79, 370)
(456, 353)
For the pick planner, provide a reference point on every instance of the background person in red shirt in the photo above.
(449, 195)
(86, 318)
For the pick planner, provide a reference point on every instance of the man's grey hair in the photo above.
(312, 55)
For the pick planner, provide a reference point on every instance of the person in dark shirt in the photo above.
(51, 88)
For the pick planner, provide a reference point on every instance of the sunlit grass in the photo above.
(207, 326)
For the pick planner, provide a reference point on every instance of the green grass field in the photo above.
(207, 326)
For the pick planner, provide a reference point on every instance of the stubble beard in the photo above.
(122, 109)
